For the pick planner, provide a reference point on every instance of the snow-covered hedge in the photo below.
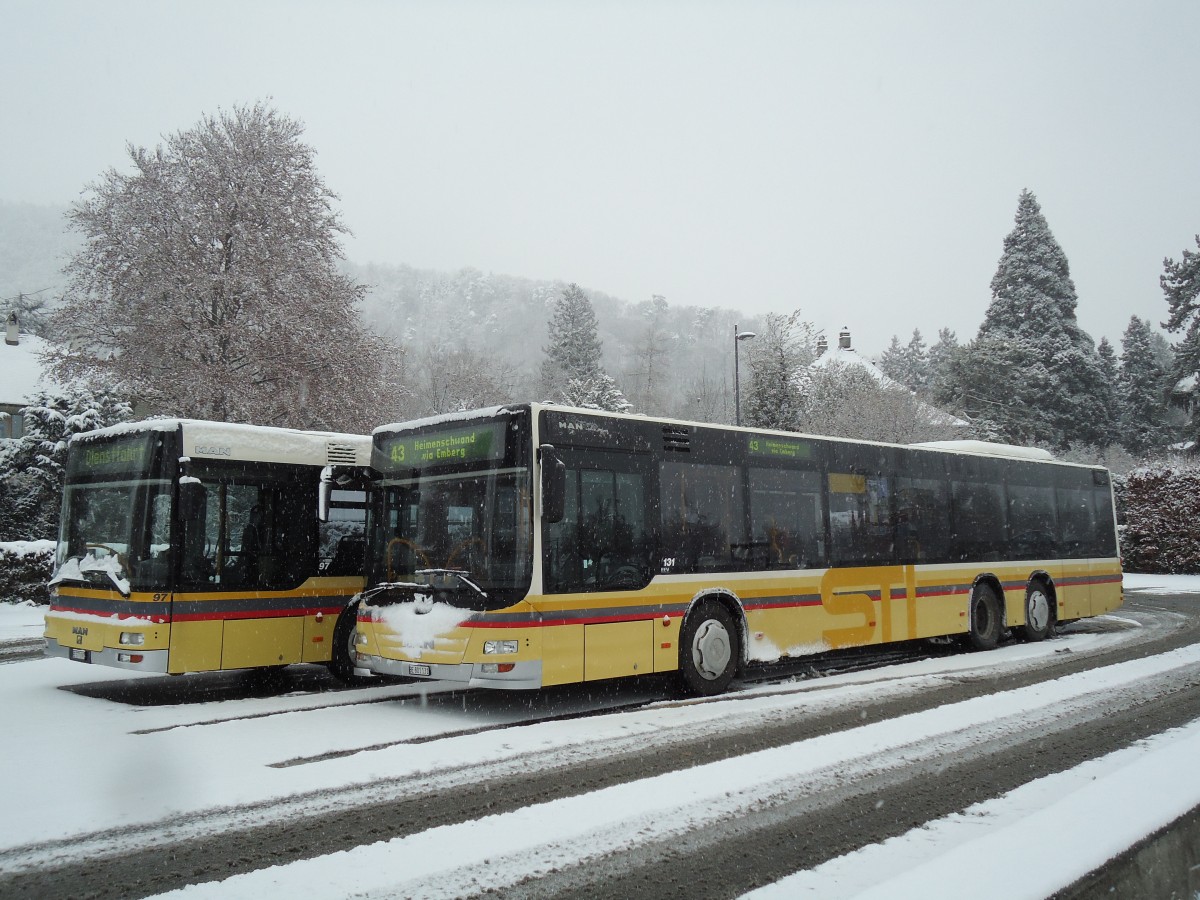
(25, 567)
(1161, 531)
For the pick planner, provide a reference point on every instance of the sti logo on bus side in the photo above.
(215, 451)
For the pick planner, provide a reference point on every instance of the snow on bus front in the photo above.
(419, 622)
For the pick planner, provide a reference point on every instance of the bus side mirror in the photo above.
(554, 486)
(324, 490)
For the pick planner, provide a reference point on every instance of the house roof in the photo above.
(21, 370)
(842, 356)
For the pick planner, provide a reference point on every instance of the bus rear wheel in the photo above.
(709, 650)
(1039, 613)
(986, 621)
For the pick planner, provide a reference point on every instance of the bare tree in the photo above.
(847, 401)
(207, 283)
(650, 356)
(452, 378)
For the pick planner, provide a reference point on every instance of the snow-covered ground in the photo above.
(108, 764)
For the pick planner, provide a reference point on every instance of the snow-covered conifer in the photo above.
(908, 363)
(32, 466)
(1032, 372)
(940, 388)
(1143, 410)
(779, 359)
(572, 371)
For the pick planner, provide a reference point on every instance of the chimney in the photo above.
(12, 334)
(844, 338)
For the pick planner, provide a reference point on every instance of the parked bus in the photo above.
(536, 545)
(191, 546)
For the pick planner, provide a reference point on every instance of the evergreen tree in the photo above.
(1108, 390)
(572, 371)
(1032, 374)
(939, 388)
(1143, 410)
(208, 282)
(597, 392)
(893, 362)
(907, 364)
(1180, 283)
(779, 372)
(32, 466)
(918, 363)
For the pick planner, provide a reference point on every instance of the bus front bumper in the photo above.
(154, 661)
(522, 675)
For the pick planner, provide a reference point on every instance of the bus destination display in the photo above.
(458, 445)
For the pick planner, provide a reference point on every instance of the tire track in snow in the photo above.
(627, 854)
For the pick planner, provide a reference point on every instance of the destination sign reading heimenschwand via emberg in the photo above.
(457, 445)
(761, 445)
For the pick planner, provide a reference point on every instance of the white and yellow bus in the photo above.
(532, 545)
(191, 546)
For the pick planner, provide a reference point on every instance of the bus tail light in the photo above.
(132, 638)
(130, 657)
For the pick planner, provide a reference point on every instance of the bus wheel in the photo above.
(985, 627)
(708, 650)
(344, 652)
(1039, 613)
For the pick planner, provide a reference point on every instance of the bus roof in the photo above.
(974, 447)
(988, 448)
(257, 443)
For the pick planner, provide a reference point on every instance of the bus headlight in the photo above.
(491, 647)
(132, 638)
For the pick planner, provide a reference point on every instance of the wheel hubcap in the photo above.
(1038, 614)
(711, 649)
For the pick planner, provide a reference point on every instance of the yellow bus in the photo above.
(192, 546)
(535, 545)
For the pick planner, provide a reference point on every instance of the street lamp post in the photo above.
(738, 337)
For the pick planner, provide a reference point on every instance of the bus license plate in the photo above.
(424, 671)
(79, 655)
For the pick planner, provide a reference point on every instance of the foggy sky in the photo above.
(860, 161)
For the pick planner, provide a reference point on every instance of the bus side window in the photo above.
(922, 524)
(604, 541)
(1076, 522)
(1105, 536)
(703, 517)
(787, 523)
(1032, 522)
(860, 519)
(977, 512)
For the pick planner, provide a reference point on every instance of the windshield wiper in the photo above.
(460, 574)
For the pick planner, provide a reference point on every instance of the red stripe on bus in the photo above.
(121, 617)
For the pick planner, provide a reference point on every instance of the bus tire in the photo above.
(1039, 613)
(343, 653)
(709, 650)
(986, 621)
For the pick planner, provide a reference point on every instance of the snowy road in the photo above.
(404, 791)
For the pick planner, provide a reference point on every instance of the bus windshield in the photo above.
(117, 534)
(116, 516)
(470, 533)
